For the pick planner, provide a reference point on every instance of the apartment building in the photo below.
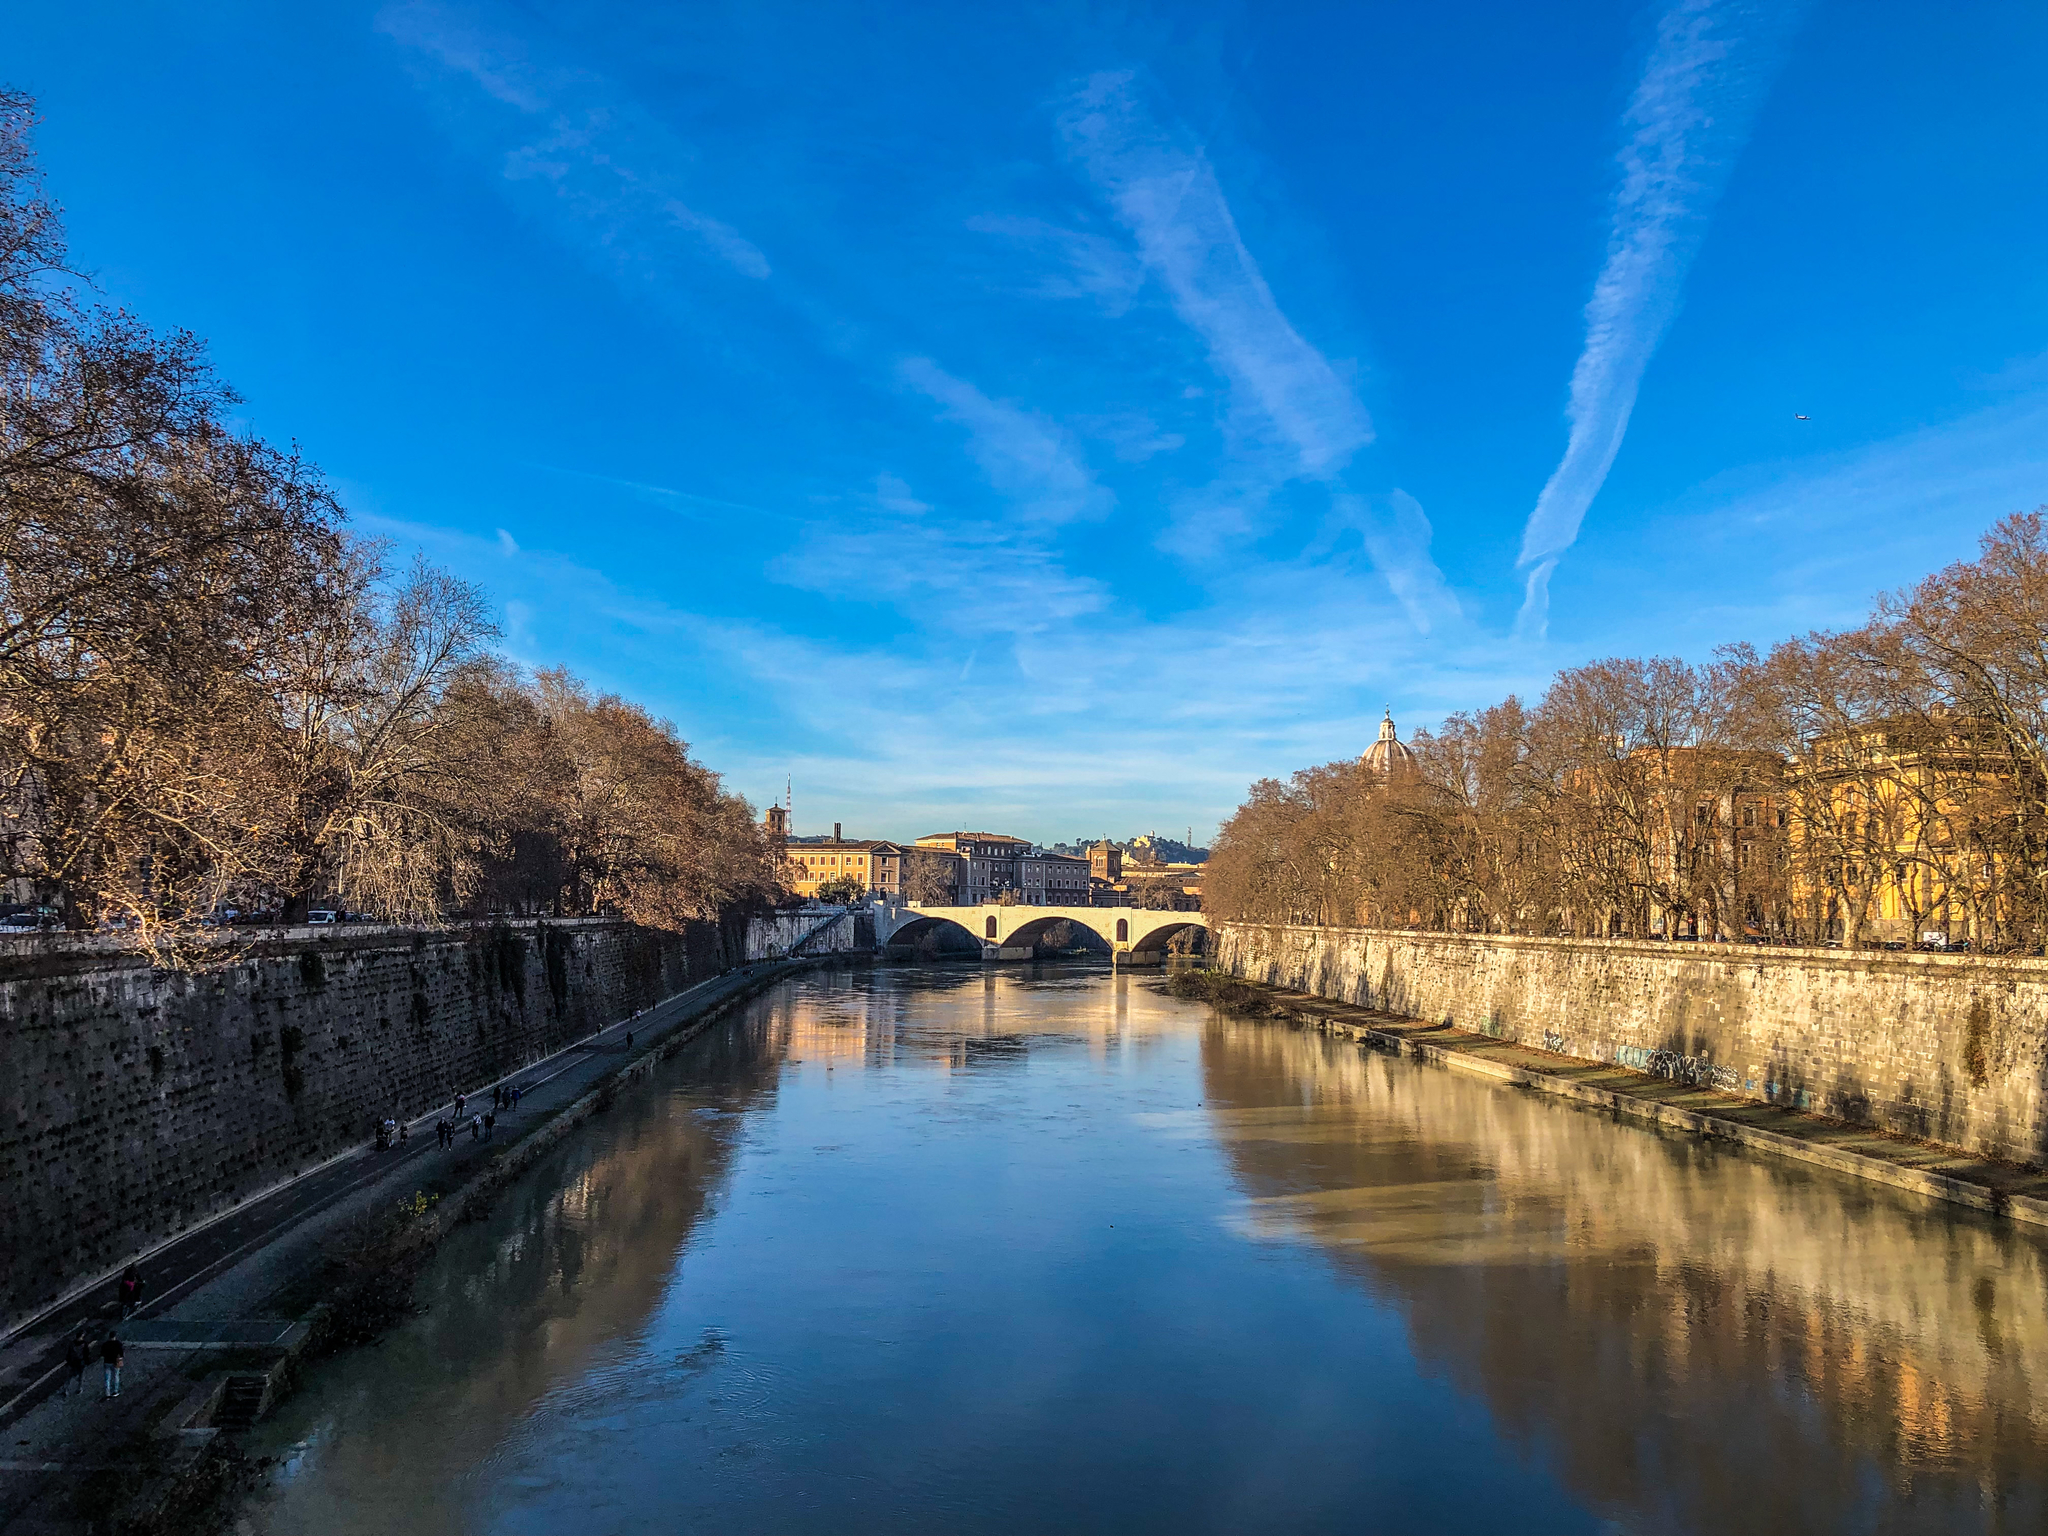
(1053, 880)
(989, 863)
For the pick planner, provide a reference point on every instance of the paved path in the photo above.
(207, 1289)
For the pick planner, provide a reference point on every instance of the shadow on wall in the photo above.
(144, 1101)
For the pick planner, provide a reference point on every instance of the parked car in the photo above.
(321, 916)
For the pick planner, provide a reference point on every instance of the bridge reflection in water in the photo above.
(1031, 1248)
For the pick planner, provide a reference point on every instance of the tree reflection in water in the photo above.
(1029, 1249)
(1700, 1339)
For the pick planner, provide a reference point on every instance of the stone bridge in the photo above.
(1012, 933)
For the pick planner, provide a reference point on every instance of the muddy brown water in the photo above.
(1034, 1249)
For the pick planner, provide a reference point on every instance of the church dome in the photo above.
(1387, 757)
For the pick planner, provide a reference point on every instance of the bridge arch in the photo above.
(1032, 932)
(1161, 938)
(921, 927)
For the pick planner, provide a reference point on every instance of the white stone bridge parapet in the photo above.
(1011, 933)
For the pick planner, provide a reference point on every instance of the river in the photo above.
(1033, 1249)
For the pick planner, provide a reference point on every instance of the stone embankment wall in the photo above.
(135, 1102)
(1951, 1049)
(769, 937)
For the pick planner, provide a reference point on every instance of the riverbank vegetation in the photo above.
(1222, 990)
(214, 696)
(1887, 783)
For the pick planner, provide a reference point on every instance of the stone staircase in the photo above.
(242, 1401)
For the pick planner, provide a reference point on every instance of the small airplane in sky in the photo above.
(1801, 418)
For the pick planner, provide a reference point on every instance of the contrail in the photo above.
(1708, 69)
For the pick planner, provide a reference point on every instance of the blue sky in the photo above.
(1053, 417)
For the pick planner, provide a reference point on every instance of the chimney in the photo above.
(835, 833)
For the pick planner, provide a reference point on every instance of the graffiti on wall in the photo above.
(1695, 1071)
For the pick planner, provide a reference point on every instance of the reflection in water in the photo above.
(1033, 1249)
(574, 1257)
(1703, 1339)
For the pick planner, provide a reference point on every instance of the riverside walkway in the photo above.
(1922, 1167)
(209, 1290)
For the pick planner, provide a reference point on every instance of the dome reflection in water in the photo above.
(1028, 1249)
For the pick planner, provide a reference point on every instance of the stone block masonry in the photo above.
(137, 1102)
(1950, 1049)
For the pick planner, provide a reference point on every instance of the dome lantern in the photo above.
(1388, 757)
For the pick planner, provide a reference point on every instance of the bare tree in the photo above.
(209, 694)
(930, 875)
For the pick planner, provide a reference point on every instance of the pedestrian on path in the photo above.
(130, 1292)
(490, 1123)
(476, 1127)
(111, 1357)
(515, 1095)
(629, 1036)
(76, 1355)
(461, 1102)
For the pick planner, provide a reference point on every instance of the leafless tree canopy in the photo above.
(1785, 795)
(211, 694)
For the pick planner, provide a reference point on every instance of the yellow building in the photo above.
(1897, 831)
(877, 865)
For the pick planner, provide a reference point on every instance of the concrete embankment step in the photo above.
(243, 1402)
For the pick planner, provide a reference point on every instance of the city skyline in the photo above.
(1216, 381)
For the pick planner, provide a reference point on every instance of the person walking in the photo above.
(111, 1359)
(77, 1354)
(490, 1123)
(130, 1292)
(461, 1102)
(515, 1095)
(476, 1127)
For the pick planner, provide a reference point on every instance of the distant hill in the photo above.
(1148, 845)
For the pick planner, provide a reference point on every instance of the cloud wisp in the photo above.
(1026, 457)
(1707, 72)
(604, 158)
(1167, 196)
(1297, 417)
